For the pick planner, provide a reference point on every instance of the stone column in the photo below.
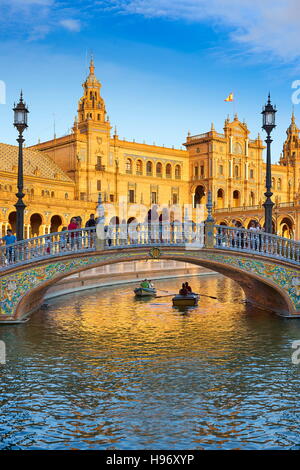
(209, 223)
(100, 239)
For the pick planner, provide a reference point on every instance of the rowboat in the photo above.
(188, 300)
(145, 291)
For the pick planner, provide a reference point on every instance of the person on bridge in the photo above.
(9, 239)
(73, 226)
(91, 222)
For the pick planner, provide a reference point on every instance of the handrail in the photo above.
(166, 233)
(256, 241)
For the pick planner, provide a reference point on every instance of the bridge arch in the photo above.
(26, 286)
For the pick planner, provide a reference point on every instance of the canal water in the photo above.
(101, 370)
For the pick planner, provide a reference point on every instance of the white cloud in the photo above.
(71, 25)
(265, 26)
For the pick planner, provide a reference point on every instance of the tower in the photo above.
(92, 130)
(290, 158)
(91, 105)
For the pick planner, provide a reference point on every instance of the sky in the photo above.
(165, 66)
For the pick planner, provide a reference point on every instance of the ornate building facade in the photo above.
(64, 176)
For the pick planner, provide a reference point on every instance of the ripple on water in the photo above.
(100, 370)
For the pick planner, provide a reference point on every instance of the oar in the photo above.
(160, 296)
(169, 295)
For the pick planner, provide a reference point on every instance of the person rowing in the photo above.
(145, 284)
(183, 290)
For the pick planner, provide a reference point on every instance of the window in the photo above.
(251, 174)
(237, 148)
(169, 171)
(98, 185)
(153, 197)
(139, 167)
(236, 171)
(279, 184)
(221, 169)
(159, 170)
(111, 198)
(196, 172)
(175, 198)
(66, 196)
(149, 168)
(131, 196)
(128, 166)
(198, 150)
(82, 196)
(52, 193)
(177, 172)
(202, 171)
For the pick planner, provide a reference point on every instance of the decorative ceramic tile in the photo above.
(15, 286)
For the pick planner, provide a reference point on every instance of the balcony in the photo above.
(99, 167)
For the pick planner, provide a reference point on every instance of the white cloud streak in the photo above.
(71, 25)
(264, 26)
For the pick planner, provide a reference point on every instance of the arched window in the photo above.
(52, 193)
(128, 166)
(159, 169)
(199, 195)
(252, 198)
(279, 184)
(273, 183)
(236, 198)
(168, 170)
(236, 171)
(177, 172)
(149, 168)
(251, 174)
(220, 198)
(237, 148)
(66, 196)
(139, 167)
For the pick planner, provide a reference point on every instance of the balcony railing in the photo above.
(99, 167)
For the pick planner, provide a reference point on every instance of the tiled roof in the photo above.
(35, 163)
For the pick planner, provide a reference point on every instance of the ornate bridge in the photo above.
(265, 266)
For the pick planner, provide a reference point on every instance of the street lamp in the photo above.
(268, 113)
(20, 122)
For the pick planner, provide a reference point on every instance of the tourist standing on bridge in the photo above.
(91, 222)
(72, 226)
(9, 239)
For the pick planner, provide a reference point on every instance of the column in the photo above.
(247, 147)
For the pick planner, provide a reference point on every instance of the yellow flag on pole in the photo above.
(229, 97)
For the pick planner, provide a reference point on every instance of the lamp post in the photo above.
(268, 113)
(20, 122)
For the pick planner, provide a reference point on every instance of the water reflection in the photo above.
(101, 370)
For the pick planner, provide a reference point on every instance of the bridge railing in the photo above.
(46, 246)
(154, 233)
(187, 234)
(237, 239)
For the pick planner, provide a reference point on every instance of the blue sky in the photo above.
(165, 65)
